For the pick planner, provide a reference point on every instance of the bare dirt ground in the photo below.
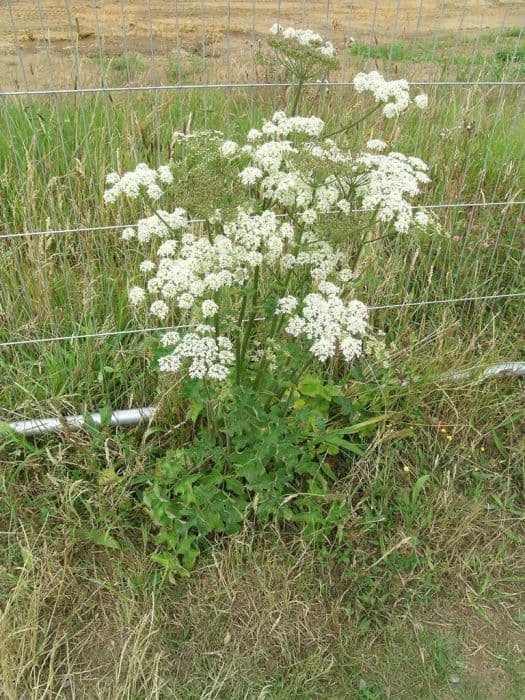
(47, 43)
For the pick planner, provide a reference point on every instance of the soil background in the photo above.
(63, 43)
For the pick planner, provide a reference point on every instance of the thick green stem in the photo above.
(210, 411)
(249, 324)
(296, 382)
(295, 105)
(238, 340)
(364, 241)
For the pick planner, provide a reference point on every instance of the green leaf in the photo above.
(253, 472)
(195, 410)
(270, 304)
(234, 485)
(360, 427)
(169, 562)
(310, 385)
(102, 538)
(497, 442)
(418, 486)
(333, 438)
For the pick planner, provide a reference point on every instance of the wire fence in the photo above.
(83, 83)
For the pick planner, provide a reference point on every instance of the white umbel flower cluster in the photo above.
(208, 357)
(159, 309)
(369, 180)
(286, 305)
(395, 94)
(146, 266)
(305, 37)
(386, 184)
(421, 101)
(198, 267)
(160, 225)
(250, 175)
(330, 324)
(142, 180)
(209, 308)
(228, 149)
(136, 296)
(376, 145)
(281, 126)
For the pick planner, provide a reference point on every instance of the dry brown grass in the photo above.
(54, 44)
(264, 615)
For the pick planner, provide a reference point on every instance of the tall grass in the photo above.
(58, 151)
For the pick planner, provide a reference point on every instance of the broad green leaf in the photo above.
(195, 410)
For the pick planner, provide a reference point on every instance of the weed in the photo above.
(417, 590)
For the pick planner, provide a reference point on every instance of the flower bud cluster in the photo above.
(305, 37)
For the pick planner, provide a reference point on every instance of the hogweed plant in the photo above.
(269, 324)
(304, 55)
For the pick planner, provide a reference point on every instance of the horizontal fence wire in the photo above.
(216, 86)
(135, 331)
(119, 227)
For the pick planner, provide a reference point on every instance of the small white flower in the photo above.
(351, 347)
(136, 295)
(309, 217)
(391, 110)
(216, 217)
(209, 308)
(170, 338)
(421, 101)
(286, 306)
(344, 206)
(160, 309)
(228, 149)
(328, 288)
(250, 175)
(185, 301)
(422, 219)
(165, 174)
(376, 145)
(346, 274)
(167, 249)
(153, 191)
(146, 266)
(128, 234)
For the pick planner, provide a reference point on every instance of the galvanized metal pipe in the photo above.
(118, 419)
(505, 368)
(135, 416)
